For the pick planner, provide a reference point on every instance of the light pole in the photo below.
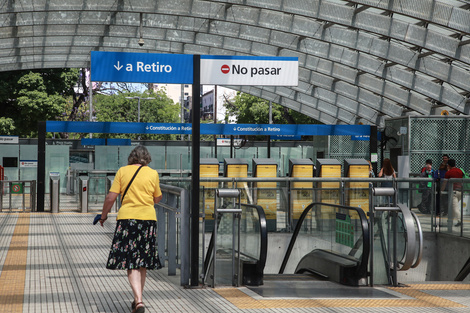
(138, 104)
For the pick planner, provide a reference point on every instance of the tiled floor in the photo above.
(55, 263)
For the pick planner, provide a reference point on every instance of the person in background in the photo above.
(371, 169)
(135, 238)
(387, 171)
(441, 197)
(425, 188)
(445, 158)
(454, 172)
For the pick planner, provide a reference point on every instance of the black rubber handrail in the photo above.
(362, 268)
(261, 263)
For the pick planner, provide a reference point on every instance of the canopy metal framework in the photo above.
(360, 61)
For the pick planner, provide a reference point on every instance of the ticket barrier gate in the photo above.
(54, 191)
(83, 193)
(108, 183)
(265, 194)
(328, 192)
(235, 167)
(301, 193)
(358, 192)
(222, 258)
(208, 168)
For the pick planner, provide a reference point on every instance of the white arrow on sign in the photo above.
(118, 66)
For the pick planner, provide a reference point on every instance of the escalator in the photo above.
(330, 243)
(341, 245)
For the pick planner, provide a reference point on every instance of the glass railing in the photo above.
(286, 198)
(241, 249)
(332, 242)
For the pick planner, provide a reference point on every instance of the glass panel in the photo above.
(28, 153)
(225, 251)
(57, 160)
(107, 158)
(177, 158)
(124, 154)
(328, 228)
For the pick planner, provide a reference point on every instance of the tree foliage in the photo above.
(27, 97)
(119, 108)
(249, 109)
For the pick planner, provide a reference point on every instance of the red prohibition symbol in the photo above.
(16, 188)
(225, 69)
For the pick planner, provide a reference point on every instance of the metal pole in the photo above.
(138, 111)
(41, 171)
(196, 132)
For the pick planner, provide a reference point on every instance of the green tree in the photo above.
(118, 108)
(27, 97)
(249, 109)
(7, 126)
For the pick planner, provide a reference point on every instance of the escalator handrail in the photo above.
(362, 269)
(263, 235)
(263, 229)
(408, 221)
(420, 241)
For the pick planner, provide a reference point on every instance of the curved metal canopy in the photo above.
(360, 61)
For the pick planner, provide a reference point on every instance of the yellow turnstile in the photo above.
(208, 168)
(266, 192)
(301, 192)
(235, 167)
(358, 192)
(328, 192)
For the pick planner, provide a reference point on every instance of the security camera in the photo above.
(141, 42)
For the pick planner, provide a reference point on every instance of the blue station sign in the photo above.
(209, 129)
(141, 67)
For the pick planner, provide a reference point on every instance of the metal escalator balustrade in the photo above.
(233, 259)
(396, 238)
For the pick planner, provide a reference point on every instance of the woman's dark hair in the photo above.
(140, 155)
(388, 168)
(451, 162)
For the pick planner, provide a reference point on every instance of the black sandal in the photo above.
(139, 308)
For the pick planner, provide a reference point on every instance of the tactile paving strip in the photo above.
(419, 298)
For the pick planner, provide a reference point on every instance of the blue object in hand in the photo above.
(97, 218)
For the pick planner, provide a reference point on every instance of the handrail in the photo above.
(420, 242)
(167, 214)
(362, 269)
(263, 236)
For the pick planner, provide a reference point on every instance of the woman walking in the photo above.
(134, 242)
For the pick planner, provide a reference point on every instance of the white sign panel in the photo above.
(248, 70)
(9, 139)
(28, 163)
(225, 142)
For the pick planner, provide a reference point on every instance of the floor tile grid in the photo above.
(7, 226)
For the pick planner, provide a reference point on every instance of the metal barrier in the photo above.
(108, 183)
(174, 231)
(22, 190)
(54, 190)
(235, 209)
(83, 193)
(413, 248)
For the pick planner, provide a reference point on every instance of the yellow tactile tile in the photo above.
(12, 278)
(419, 299)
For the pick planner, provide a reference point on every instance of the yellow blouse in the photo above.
(138, 202)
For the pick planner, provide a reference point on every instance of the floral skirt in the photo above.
(134, 245)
